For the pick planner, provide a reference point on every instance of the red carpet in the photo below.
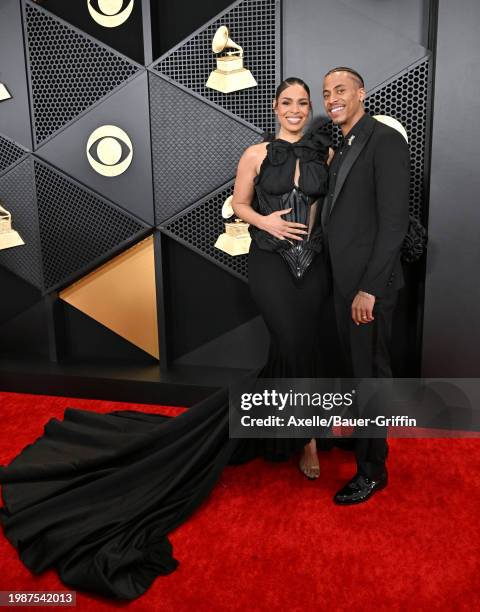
(268, 539)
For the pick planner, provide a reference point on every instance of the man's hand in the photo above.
(362, 307)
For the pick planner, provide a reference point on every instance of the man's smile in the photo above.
(336, 109)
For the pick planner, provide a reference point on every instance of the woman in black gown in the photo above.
(277, 187)
(97, 494)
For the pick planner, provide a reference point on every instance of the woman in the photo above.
(283, 179)
(97, 494)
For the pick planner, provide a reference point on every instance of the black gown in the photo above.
(97, 494)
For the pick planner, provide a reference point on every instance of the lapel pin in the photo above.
(350, 140)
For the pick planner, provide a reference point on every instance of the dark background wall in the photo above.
(174, 21)
(389, 44)
(452, 300)
(206, 307)
(379, 38)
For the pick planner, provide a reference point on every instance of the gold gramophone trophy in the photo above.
(230, 74)
(8, 236)
(236, 239)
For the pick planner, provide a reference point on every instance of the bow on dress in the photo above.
(313, 146)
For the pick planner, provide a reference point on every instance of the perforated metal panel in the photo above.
(199, 228)
(195, 147)
(252, 26)
(77, 228)
(69, 71)
(9, 154)
(17, 191)
(405, 98)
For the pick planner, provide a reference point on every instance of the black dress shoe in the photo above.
(359, 489)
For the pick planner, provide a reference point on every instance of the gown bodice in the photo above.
(275, 189)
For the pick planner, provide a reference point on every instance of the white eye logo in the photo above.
(109, 150)
(110, 13)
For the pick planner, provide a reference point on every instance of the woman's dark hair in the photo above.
(291, 81)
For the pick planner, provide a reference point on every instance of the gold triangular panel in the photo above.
(121, 295)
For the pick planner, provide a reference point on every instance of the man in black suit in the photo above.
(365, 220)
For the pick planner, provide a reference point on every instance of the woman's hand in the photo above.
(281, 229)
(244, 192)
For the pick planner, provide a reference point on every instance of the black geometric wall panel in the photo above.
(126, 108)
(405, 18)
(21, 296)
(211, 142)
(126, 37)
(374, 49)
(26, 334)
(14, 112)
(200, 226)
(10, 153)
(78, 229)
(173, 22)
(17, 192)
(69, 71)
(405, 97)
(252, 25)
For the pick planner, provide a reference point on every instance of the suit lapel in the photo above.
(356, 148)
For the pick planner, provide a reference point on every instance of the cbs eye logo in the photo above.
(110, 13)
(109, 150)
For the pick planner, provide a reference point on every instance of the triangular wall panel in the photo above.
(15, 111)
(121, 296)
(255, 26)
(405, 98)
(211, 141)
(125, 36)
(17, 192)
(10, 154)
(342, 35)
(126, 108)
(199, 227)
(17, 295)
(78, 229)
(69, 71)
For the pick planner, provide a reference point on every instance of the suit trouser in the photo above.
(366, 352)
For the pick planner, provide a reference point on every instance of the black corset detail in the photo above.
(275, 190)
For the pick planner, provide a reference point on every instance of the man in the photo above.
(365, 220)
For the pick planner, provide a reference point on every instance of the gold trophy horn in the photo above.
(230, 75)
(222, 41)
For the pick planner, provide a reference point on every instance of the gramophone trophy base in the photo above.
(229, 63)
(234, 245)
(234, 80)
(10, 239)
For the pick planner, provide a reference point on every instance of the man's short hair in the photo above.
(353, 72)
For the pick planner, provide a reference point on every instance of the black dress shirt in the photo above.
(340, 153)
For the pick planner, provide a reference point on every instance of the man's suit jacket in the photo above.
(369, 217)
